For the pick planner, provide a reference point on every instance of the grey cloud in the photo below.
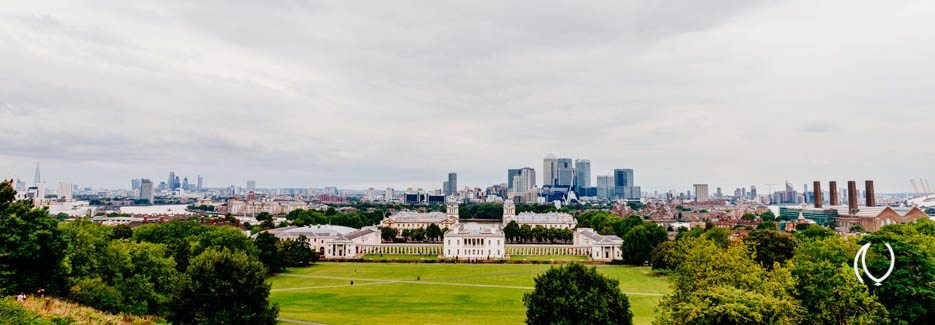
(316, 93)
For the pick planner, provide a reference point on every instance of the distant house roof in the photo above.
(317, 231)
(418, 217)
(598, 238)
(475, 229)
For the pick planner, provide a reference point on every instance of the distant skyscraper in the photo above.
(65, 191)
(624, 185)
(565, 172)
(549, 170)
(582, 175)
(200, 183)
(523, 180)
(605, 186)
(185, 185)
(388, 194)
(171, 182)
(251, 186)
(701, 193)
(752, 192)
(510, 174)
(718, 193)
(37, 179)
(451, 186)
(146, 190)
(135, 185)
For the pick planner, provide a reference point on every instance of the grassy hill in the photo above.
(47, 310)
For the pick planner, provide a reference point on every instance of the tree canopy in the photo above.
(575, 294)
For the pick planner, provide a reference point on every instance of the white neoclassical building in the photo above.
(475, 241)
(414, 220)
(559, 220)
(602, 247)
(331, 241)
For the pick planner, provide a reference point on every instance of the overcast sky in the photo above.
(396, 93)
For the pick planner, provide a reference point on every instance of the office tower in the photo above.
(565, 172)
(624, 185)
(701, 192)
(388, 194)
(523, 179)
(65, 191)
(549, 170)
(582, 174)
(510, 174)
(135, 185)
(251, 186)
(371, 195)
(146, 190)
(451, 186)
(718, 194)
(752, 192)
(37, 179)
(200, 183)
(171, 182)
(605, 186)
(185, 185)
(177, 184)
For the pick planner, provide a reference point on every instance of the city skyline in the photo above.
(731, 95)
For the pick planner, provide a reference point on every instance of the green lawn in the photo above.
(548, 258)
(390, 293)
(399, 257)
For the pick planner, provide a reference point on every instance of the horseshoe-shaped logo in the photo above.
(862, 257)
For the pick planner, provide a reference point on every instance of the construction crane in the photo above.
(914, 187)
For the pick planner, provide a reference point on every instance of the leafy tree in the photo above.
(262, 216)
(31, 249)
(433, 232)
(297, 252)
(268, 245)
(719, 236)
(664, 256)
(636, 205)
(712, 285)
(909, 292)
(122, 231)
(858, 229)
(222, 286)
(511, 231)
(770, 246)
(575, 294)
(748, 216)
(639, 242)
(768, 216)
(827, 288)
(692, 233)
(810, 231)
(480, 211)
(176, 235)
(388, 234)
(116, 276)
(525, 232)
(766, 225)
